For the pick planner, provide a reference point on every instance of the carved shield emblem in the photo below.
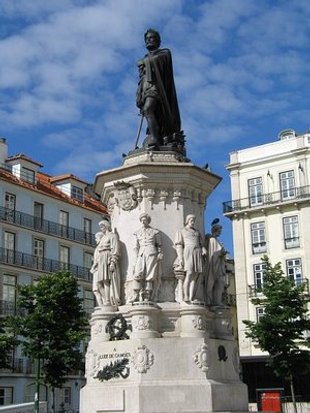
(125, 195)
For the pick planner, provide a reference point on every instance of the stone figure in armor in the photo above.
(147, 269)
(216, 267)
(190, 256)
(105, 268)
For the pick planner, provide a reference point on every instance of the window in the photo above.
(6, 396)
(77, 193)
(258, 237)
(287, 185)
(9, 204)
(64, 256)
(291, 232)
(65, 396)
(64, 222)
(259, 275)
(9, 240)
(64, 218)
(38, 252)
(9, 247)
(38, 247)
(10, 201)
(88, 302)
(260, 312)
(88, 229)
(255, 191)
(38, 211)
(8, 296)
(88, 259)
(294, 270)
(28, 175)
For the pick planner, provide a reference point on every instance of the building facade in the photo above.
(47, 224)
(270, 214)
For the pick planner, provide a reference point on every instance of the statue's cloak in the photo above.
(159, 71)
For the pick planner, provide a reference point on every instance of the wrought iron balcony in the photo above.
(20, 365)
(46, 265)
(254, 289)
(47, 227)
(263, 200)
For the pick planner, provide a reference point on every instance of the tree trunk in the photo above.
(293, 394)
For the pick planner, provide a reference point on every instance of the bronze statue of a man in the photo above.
(156, 95)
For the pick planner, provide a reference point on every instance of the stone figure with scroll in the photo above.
(190, 256)
(156, 95)
(216, 268)
(105, 269)
(147, 269)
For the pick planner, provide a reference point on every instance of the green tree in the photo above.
(281, 330)
(51, 324)
(7, 342)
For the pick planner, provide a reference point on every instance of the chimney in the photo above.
(3, 151)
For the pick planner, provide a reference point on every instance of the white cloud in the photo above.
(71, 67)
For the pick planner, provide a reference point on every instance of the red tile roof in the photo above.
(44, 185)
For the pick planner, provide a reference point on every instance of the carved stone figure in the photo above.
(216, 268)
(94, 270)
(156, 95)
(106, 283)
(190, 256)
(147, 269)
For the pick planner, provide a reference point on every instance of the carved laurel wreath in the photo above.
(116, 328)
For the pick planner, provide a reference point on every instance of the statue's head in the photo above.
(216, 227)
(152, 39)
(105, 225)
(145, 218)
(190, 219)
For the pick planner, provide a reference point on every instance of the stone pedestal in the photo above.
(179, 370)
(168, 356)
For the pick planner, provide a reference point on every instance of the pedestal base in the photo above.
(155, 371)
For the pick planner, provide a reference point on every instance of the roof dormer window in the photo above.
(23, 167)
(77, 193)
(28, 175)
(71, 186)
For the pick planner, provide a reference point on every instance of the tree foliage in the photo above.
(281, 330)
(51, 324)
(7, 342)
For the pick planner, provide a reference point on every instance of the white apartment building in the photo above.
(270, 214)
(47, 223)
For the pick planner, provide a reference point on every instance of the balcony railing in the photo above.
(47, 227)
(292, 242)
(20, 259)
(254, 289)
(293, 194)
(20, 365)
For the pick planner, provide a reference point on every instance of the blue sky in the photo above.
(68, 79)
